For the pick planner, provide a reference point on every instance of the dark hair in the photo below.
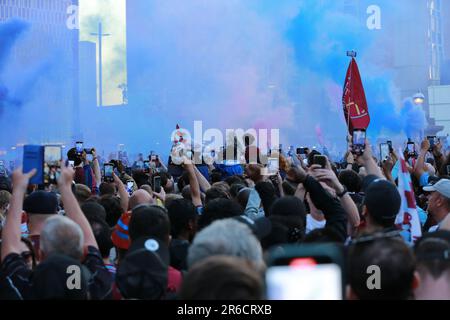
(235, 188)
(222, 278)
(215, 176)
(72, 155)
(215, 193)
(149, 221)
(219, 209)
(82, 192)
(267, 193)
(351, 180)
(140, 178)
(288, 206)
(181, 212)
(165, 177)
(323, 235)
(102, 234)
(112, 207)
(396, 262)
(92, 209)
(288, 189)
(234, 179)
(285, 229)
(432, 253)
(106, 189)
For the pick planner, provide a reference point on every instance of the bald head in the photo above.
(140, 197)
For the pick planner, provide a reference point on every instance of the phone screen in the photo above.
(359, 138)
(273, 166)
(52, 156)
(311, 281)
(384, 151)
(432, 140)
(71, 163)
(411, 148)
(79, 147)
(130, 185)
(157, 184)
(146, 165)
(320, 160)
(109, 168)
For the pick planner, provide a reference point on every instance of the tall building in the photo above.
(51, 49)
(87, 75)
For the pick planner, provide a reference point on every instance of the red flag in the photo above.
(354, 100)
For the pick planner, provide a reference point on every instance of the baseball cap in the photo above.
(261, 227)
(442, 186)
(50, 279)
(143, 274)
(382, 199)
(41, 202)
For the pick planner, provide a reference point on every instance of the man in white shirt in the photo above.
(438, 202)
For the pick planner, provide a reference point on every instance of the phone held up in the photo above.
(305, 272)
(108, 169)
(320, 160)
(359, 141)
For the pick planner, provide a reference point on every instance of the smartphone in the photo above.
(130, 185)
(305, 272)
(359, 141)
(389, 142)
(433, 141)
(320, 160)
(272, 166)
(79, 147)
(108, 169)
(52, 163)
(301, 151)
(384, 151)
(72, 163)
(448, 170)
(157, 184)
(146, 166)
(411, 147)
(33, 158)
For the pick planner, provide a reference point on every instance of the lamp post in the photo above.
(419, 98)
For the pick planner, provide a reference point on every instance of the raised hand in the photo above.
(21, 180)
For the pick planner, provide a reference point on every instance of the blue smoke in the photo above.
(10, 33)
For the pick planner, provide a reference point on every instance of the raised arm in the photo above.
(123, 194)
(346, 201)
(11, 233)
(369, 163)
(193, 183)
(71, 206)
(204, 184)
(96, 168)
(420, 163)
(334, 213)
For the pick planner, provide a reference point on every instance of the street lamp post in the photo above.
(100, 35)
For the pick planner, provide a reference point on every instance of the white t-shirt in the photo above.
(312, 223)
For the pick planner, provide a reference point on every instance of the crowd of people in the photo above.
(207, 231)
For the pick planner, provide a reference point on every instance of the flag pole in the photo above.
(352, 54)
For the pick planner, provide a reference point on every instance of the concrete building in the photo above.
(87, 75)
(439, 100)
(48, 43)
